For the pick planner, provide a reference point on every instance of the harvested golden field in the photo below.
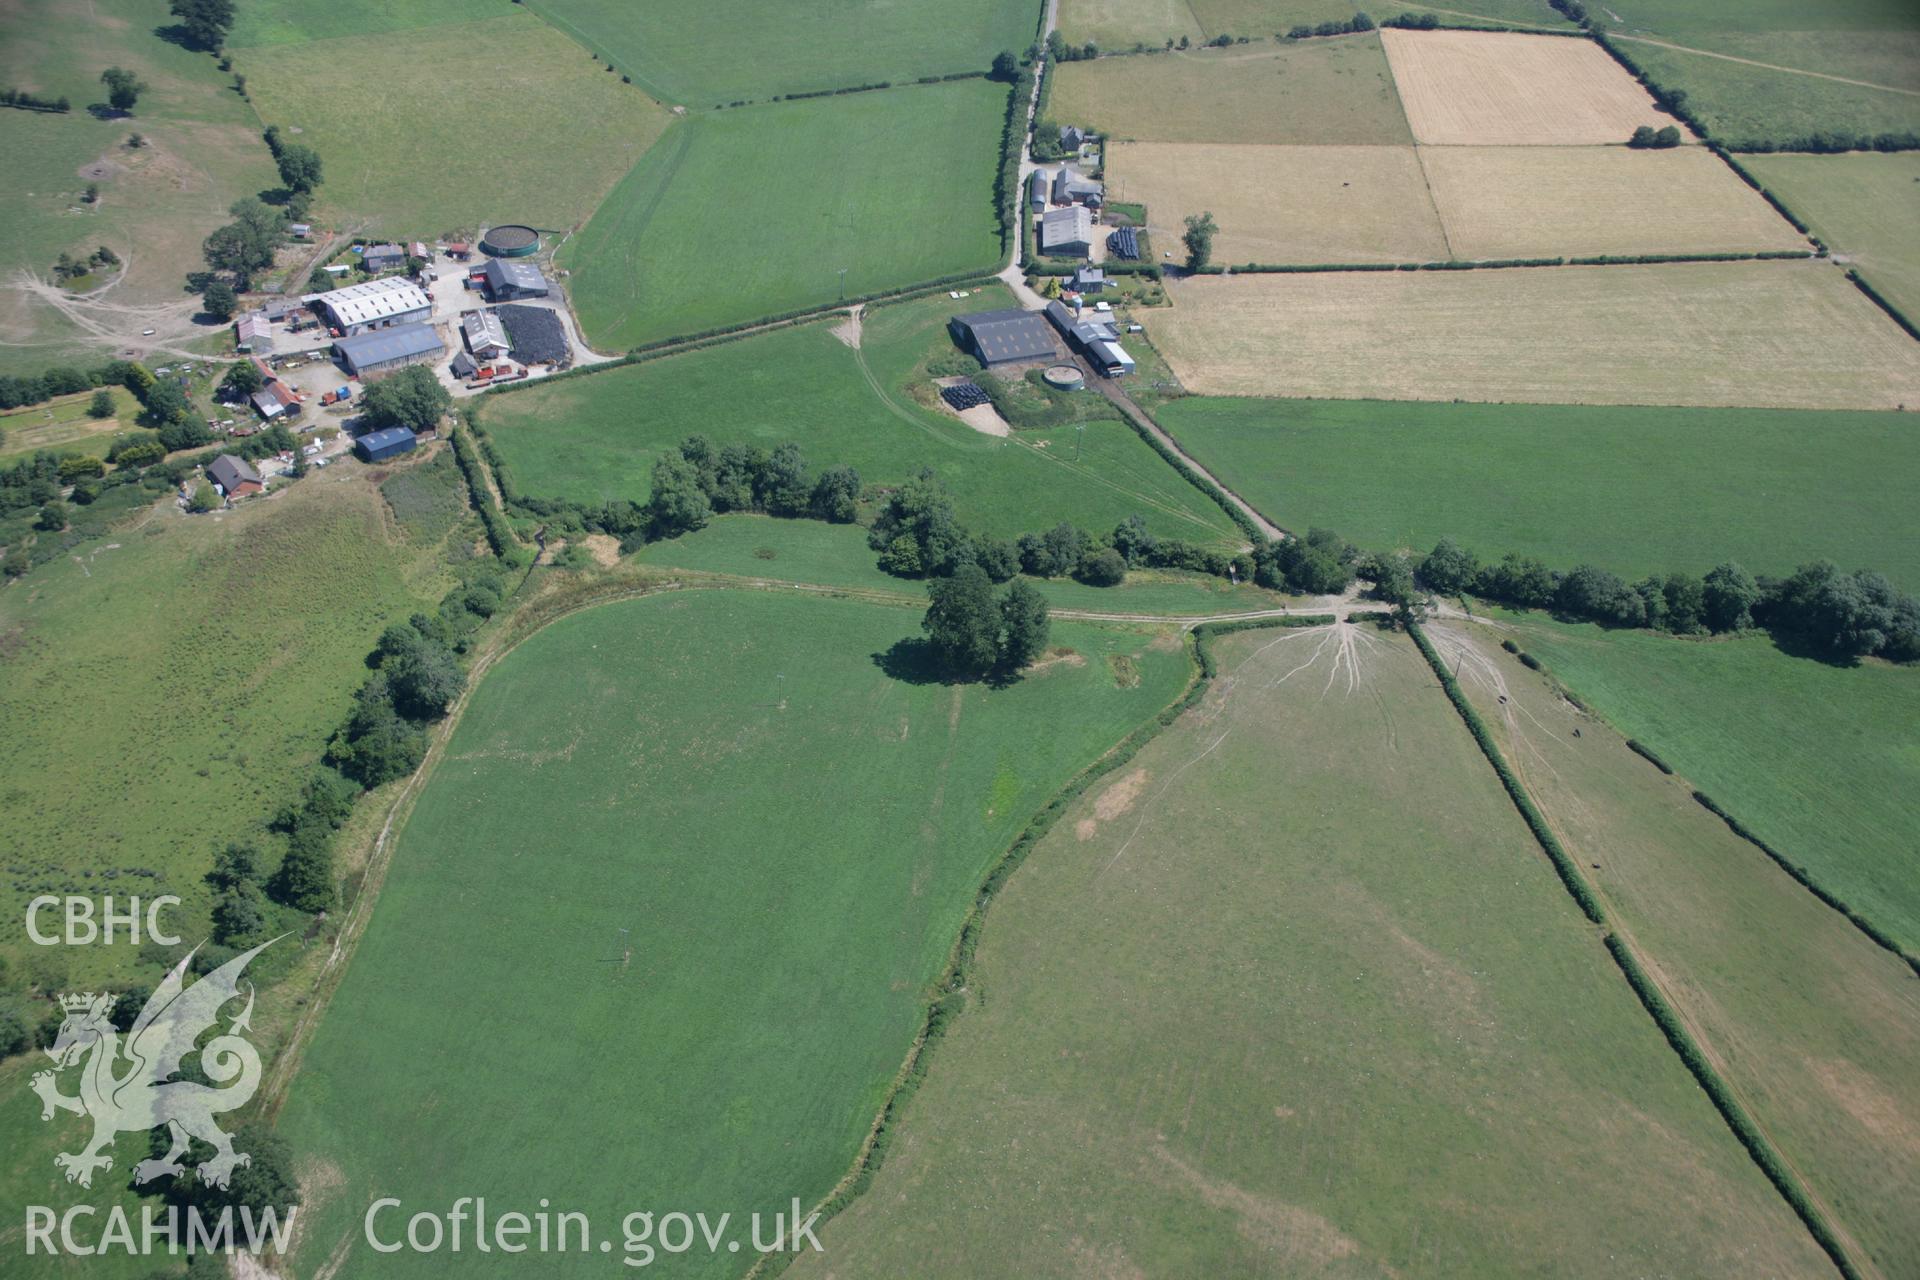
(1478, 88)
(1285, 204)
(1787, 335)
(1536, 202)
(1316, 91)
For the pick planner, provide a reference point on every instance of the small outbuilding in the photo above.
(459, 250)
(1067, 233)
(1073, 137)
(464, 365)
(384, 257)
(1070, 187)
(1037, 190)
(391, 442)
(486, 336)
(1003, 337)
(384, 350)
(508, 279)
(253, 333)
(234, 476)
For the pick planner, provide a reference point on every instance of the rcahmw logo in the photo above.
(129, 1087)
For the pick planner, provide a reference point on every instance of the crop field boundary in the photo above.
(1683, 1043)
(1799, 874)
(949, 1000)
(1514, 264)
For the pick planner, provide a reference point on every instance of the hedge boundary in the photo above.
(1678, 1038)
(1549, 843)
(1648, 754)
(1736, 1117)
(1508, 264)
(1171, 456)
(480, 498)
(951, 986)
(1878, 299)
(1873, 931)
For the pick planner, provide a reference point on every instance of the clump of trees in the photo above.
(123, 89)
(246, 246)
(206, 22)
(1358, 23)
(67, 267)
(412, 398)
(1198, 238)
(1819, 607)
(1647, 138)
(974, 632)
(1321, 564)
(702, 480)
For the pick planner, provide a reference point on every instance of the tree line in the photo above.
(1819, 607)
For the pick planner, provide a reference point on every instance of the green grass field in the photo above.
(514, 123)
(1782, 65)
(166, 686)
(792, 837)
(64, 424)
(737, 215)
(807, 551)
(595, 438)
(706, 55)
(1818, 1027)
(1634, 490)
(1232, 1019)
(156, 203)
(1864, 205)
(1119, 24)
(1314, 92)
(1819, 760)
(270, 22)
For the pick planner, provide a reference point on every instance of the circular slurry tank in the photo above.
(510, 240)
(1065, 377)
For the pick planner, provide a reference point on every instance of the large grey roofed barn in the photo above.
(1066, 227)
(521, 277)
(384, 345)
(1010, 334)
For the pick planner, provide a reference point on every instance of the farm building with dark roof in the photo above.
(1003, 337)
(384, 350)
(234, 476)
(1067, 233)
(509, 279)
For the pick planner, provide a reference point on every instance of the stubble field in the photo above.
(1468, 88)
(1286, 204)
(1760, 334)
(1527, 202)
(1227, 1021)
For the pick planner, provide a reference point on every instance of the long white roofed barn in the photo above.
(376, 304)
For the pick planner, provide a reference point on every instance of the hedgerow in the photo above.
(1640, 748)
(1549, 843)
(1728, 1106)
(1806, 881)
(1880, 300)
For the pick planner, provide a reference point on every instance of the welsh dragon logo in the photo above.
(127, 1087)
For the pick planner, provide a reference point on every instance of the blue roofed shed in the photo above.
(376, 445)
